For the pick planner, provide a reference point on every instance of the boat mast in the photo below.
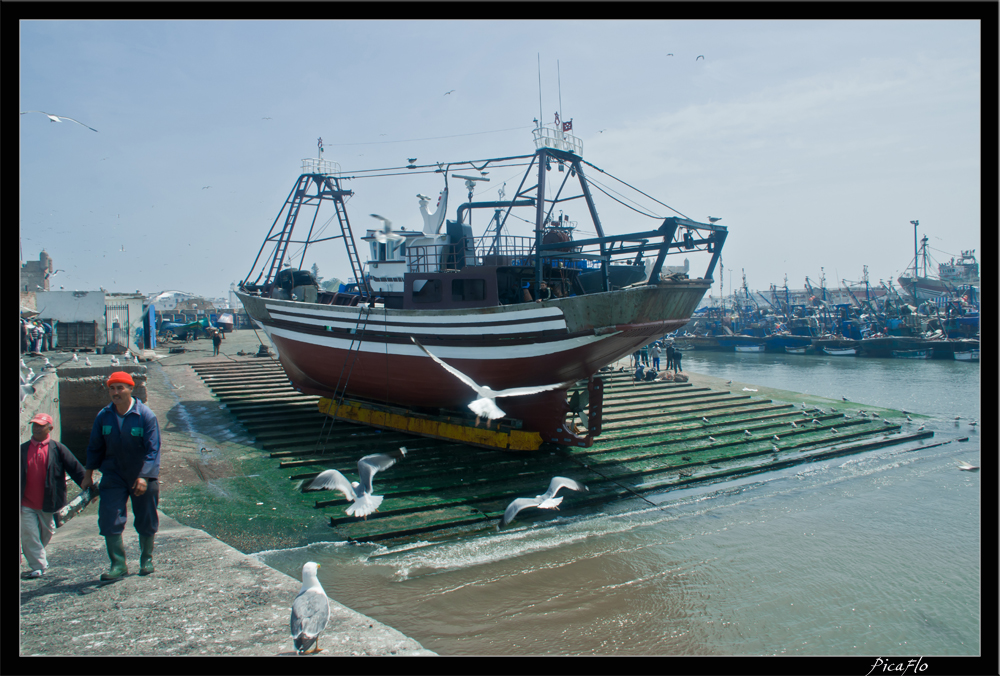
(915, 224)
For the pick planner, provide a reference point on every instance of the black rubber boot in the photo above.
(116, 551)
(146, 554)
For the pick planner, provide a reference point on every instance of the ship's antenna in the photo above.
(540, 118)
(559, 83)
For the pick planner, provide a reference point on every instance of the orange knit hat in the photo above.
(121, 377)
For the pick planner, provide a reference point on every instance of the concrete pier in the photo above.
(206, 597)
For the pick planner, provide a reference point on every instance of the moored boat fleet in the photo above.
(855, 320)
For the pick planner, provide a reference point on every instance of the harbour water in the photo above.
(874, 554)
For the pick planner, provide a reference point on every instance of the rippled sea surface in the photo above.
(873, 554)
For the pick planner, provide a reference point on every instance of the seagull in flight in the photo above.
(485, 405)
(546, 500)
(386, 233)
(359, 493)
(962, 464)
(701, 56)
(57, 118)
(448, 92)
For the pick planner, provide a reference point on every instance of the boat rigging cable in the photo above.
(359, 337)
(633, 188)
(429, 138)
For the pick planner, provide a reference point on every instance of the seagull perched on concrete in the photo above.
(962, 464)
(86, 360)
(310, 611)
(712, 439)
(833, 431)
(972, 423)
(844, 398)
(921, 428)
(776, 438)
(886, 422)
(792, 423)
(546, 500)
(775, 448)
(485, 405)
(386, 233)
(57, 118)
(75, 358)
(706, 421)
(359, 493)
(815, 422)
(746, 433)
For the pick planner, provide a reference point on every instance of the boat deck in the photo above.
(654, 440)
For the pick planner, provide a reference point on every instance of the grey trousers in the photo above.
(37, 528)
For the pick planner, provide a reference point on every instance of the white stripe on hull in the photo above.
(484, 353)
(375, 322)
(477, 316)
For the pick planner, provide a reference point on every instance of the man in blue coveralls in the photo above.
(125, 446)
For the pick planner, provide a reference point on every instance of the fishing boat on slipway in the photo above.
(477, 302)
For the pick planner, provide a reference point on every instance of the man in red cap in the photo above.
(44, 465)
(125, 446)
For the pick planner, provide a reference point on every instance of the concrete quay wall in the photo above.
(205, 598)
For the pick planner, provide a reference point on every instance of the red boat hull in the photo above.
(367, 352)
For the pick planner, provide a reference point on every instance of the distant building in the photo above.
(167, 300)
(35, 274)
(196, 305)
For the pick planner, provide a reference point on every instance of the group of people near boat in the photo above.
(641, 360)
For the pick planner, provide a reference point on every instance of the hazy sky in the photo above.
(817, 142)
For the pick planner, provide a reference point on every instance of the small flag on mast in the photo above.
(568, 126)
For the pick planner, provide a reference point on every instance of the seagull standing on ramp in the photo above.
(546, 500)
(310, 611)
(359, 493)
(57, 118)
(485, 406)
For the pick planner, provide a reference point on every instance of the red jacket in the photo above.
(61, 461)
